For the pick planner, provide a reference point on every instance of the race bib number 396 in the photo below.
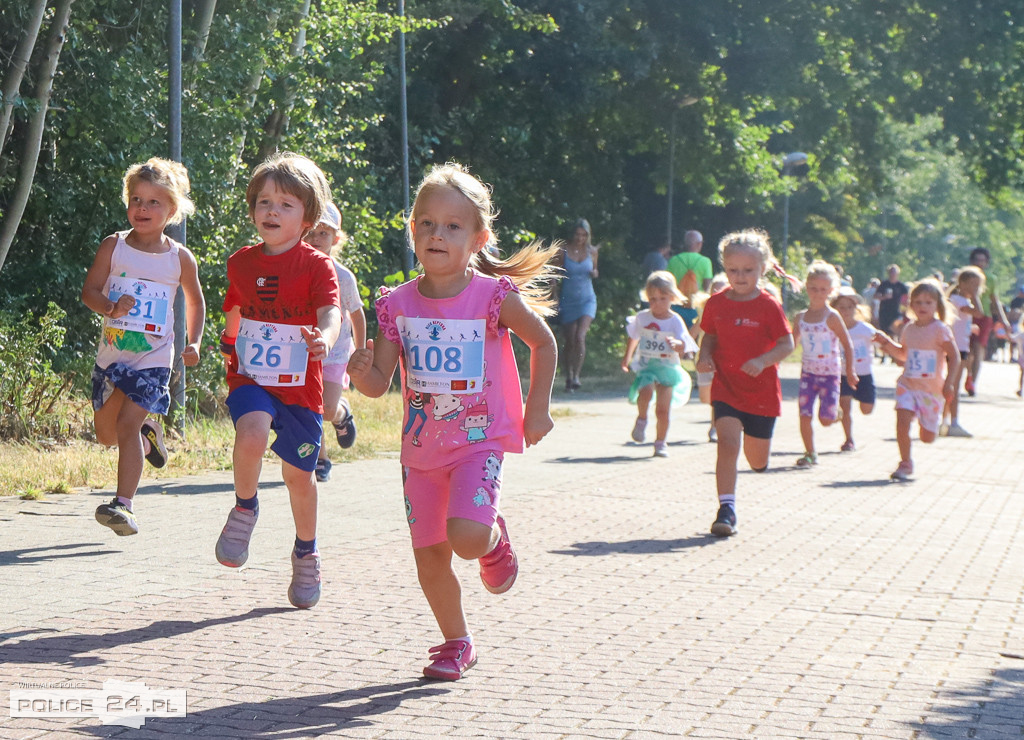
(150, 314)
(271, 354)
(443, 355)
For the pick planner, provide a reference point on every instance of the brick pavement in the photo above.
(846, 607)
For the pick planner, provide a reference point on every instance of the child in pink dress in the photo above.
(449, 328)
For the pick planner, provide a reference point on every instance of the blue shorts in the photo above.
(148, 387)
(299, 430)
(865, 392)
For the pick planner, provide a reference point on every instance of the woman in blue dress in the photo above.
(577, 302)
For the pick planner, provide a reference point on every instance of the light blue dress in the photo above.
(577, 298)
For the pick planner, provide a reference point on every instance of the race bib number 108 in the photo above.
(443, 355)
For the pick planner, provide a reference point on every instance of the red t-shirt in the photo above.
(285, 288)
(745, 330)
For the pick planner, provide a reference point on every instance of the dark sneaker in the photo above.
(499, 567)
(725, 522)
(346, 430)
(304, 590)
(154, 434)
(233, 544)
(449, 661)
(323, 470)
(118, 517)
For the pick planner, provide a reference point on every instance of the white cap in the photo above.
(331, 216)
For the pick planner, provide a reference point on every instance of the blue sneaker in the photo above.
(725, 522)
(346, 430)
(323, 470)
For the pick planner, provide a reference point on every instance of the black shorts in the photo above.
(754, 425)
(865, 392)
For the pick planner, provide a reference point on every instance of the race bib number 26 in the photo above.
(271, 354)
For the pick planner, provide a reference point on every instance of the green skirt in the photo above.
(663, 374)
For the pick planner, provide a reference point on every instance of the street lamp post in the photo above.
(683, 102)
(790, 162)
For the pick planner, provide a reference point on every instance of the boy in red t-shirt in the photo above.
(282, 320)
(746, 335)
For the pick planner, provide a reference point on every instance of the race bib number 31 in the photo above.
(150, 314)
(443, 355)
(271, 354)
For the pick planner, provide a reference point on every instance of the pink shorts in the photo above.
(927, 407)
(337, 374)
(467, 489)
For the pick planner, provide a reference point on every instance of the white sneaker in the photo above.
(955, 430)
(944, 429)
(639, 430)
(660, 448)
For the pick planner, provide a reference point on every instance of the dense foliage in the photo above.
(909, 110)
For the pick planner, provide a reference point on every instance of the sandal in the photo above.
(848, 446)
(809, 459)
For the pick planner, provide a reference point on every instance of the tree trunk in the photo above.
(204, 12)
(249, 96)
(22, 55)
(37, 122)
(278, 120)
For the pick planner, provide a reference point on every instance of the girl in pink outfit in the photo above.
(449, 330)
(930, 362)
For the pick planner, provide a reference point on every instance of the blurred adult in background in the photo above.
(577, 302)
(690, 260)
(981, 258)
(891, 295)
(656, 259)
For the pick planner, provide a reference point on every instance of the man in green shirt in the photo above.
(691, 259)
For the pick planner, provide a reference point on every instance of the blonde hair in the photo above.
(166, 174)
(297, 176)
(944, 310)
(530, 268)
(751, 241)
(822, 269)
(965, 273)
(664, 282)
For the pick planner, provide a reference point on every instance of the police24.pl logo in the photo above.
(117, 703)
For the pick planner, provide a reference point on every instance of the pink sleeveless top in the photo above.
(460, 382)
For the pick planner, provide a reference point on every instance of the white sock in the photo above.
(727, 499)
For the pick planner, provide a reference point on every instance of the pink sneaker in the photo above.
(449, 661)
(499, 567)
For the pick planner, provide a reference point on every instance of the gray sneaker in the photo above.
(233, 543)
(304, 590)
(118, 517)
(955, 430)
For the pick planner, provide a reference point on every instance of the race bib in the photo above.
(861, 353)
(818, 346)
(921, 363)
(443, 355)
(151, 312)
(654, 345)
(271, 354)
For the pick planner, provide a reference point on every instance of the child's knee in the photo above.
(468, 539)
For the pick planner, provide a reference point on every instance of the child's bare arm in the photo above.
(195, 307)
(95, 280)
(838, 327)
(627, 356)
(779, 352)
(952, 367)
(359, 327)
(372, 367)
(708, 345)
(528, 326)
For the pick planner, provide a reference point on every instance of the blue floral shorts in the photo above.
(148, 387)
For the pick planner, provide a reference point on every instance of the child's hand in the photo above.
(536, 425)
(316, 345)
(360, 362)
(191, 355)
(624, 366)
(852, 379)
(705, 364)
(123, 307)
(753, 367)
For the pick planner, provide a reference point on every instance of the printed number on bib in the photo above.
(151, 312)
(818, 347)
(443, 355)
(921, 363)
(654, 345)
(271, 354)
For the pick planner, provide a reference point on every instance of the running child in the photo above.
(930, 361)
(328, 237)
(662, 339)
(282, 320)
(862, 336)
(132, 283)
(746, 335)
(827, 356)
(449, 328)
(718, 283)
(965, 297)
